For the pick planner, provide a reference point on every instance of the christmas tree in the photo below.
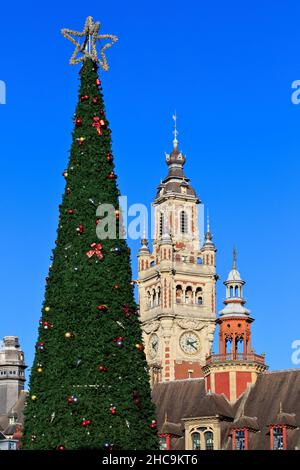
(89, 384)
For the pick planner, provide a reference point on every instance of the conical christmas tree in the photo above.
(89, 385)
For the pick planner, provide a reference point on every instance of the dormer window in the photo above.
(183, 190)
(240, 440)
(278, 437)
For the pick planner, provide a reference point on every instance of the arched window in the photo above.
(231, 291)
(161, 223)
(236, 291)
(148, 299)
(178, 294)
(199, 260)
(209, 440)
(183, 222)
(199, 298)
(188, 295)
(158, 296)
(153, 298)
(196, 441)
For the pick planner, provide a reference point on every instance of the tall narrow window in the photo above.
(209, 440)
(231, 291)
(161, 223)
(183, 222)
(163, 443)
(236, 291)
(277, 438)
(196, 441)
(239, 440)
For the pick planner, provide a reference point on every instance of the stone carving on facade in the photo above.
(190, 324)
(151, 327)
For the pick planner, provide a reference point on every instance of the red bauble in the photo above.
(108, 157)
(113, 410)
(78, 122)
(96, 119)
(80, 229)
(86, 422)
(97, 221)
(60, 447)
(139, 347)
(68, 191)
(116, 286)
(95, 100)
(126, 310)
(102, 308)
(84, 98)
(98, 82)
(47, 325)
(71, 211)
(153, 424)
(102, 122)
(111, 176)
(102, 368)
(119, 338)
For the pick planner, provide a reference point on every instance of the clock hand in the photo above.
(191, 343)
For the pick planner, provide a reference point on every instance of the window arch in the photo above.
(183, 222)
(196, 441)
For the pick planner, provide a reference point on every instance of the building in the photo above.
(227, 400)
(12, 394)
(177, 281)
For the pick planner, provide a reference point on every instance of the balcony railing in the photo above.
(248, 357)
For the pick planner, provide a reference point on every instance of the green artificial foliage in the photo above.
(80, 377)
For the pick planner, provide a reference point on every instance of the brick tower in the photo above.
(236, 366)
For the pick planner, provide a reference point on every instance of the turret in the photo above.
(12, 372)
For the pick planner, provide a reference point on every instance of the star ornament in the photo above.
(88, 48)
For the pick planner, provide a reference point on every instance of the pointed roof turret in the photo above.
(176, 181)
(208, 243)
(234, 302)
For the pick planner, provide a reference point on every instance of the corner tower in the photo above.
(237, 365)
(177, 280)
(12, 373)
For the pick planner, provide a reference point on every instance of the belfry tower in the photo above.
(237, 365)
(177, 280)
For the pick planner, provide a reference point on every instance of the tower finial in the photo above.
(234, 258)
(207, 223)
(175, 132)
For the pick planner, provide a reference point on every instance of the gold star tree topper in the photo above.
(88, 48)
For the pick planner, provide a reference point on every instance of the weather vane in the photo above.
(88, 48)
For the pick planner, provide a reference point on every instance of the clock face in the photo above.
(189, 342)
(153, 345)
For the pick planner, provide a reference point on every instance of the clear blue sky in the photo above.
(227, 68)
